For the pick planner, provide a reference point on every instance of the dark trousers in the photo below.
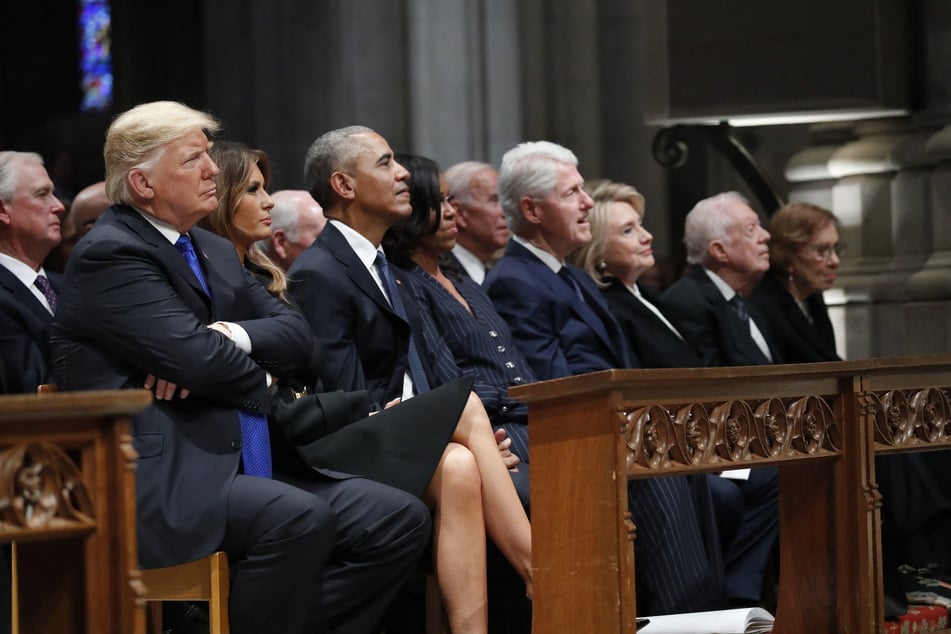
(747, 556)
(677, 548)
(318, 555)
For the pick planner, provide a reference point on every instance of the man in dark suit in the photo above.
(728, 253)
(563, 327)
(151, 300)
(29, 229)
(474, 193)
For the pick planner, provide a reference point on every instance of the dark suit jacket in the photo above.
(652, 341)
(363, 343)
(696, 307)
(24, 335)
(132, 307)
(557, 334)
(798, 340)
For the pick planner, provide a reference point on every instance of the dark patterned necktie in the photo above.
(255, 443)
(742, 309)
(43, 283)
(416, 371)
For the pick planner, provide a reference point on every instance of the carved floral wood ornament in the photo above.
(40, 486)
(718, 434)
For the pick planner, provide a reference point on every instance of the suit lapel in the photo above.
(740, 332)
(337, 244)
(583, 310)
(24, 297)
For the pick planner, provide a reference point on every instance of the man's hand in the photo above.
(164, 390)
(510, 459)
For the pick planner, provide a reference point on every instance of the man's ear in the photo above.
(5, 209)
(717, 252)
(343, 185)
(278, 242)
(462, 220)
(140, 184)
(530, 209)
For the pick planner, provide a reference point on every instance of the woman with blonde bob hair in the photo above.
(619, 253)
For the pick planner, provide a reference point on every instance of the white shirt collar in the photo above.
(725, 289)
(366, 251)
(472, 264)
(168, 232)
(21, 270)
(27, 276)
(550, 261)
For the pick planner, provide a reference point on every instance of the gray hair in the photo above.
(459, 178)
(137, 139)
(708, 221)
(9, 173)
(529, 169)
(331, 152)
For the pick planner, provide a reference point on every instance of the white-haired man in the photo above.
(562, 325)
(296, 221)
(728, 254)
(474, 192)
(29, 229)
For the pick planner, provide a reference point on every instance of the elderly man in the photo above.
(473, 191)
(29, 229)
(728, 253)
(296, 221)
(152, 300)
(563, 327)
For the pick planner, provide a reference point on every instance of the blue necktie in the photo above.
(416, 371)
(255, 444)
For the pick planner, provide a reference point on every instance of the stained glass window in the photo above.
(95, 44)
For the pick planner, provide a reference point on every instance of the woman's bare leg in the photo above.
(505, 519)
(459, 540)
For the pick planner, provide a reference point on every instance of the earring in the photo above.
(601, 266)
(790, 276)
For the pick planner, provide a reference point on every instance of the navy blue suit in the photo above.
(302, 555)
(24, 336)
(363, 342)
(557, 334)
(699, 311)
(678, 562)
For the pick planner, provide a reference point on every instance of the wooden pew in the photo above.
(820, 424)
(67, 498)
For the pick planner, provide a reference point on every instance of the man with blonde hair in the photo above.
(153, 300)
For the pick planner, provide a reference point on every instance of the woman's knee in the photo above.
(459, 469)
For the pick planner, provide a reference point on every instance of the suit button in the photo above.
(504, 408)
(236, 445)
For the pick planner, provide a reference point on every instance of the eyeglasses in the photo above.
(825, 251)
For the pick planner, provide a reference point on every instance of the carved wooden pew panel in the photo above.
(820, 424)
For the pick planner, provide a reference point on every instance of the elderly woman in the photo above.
(804, 259)
(618, 254)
